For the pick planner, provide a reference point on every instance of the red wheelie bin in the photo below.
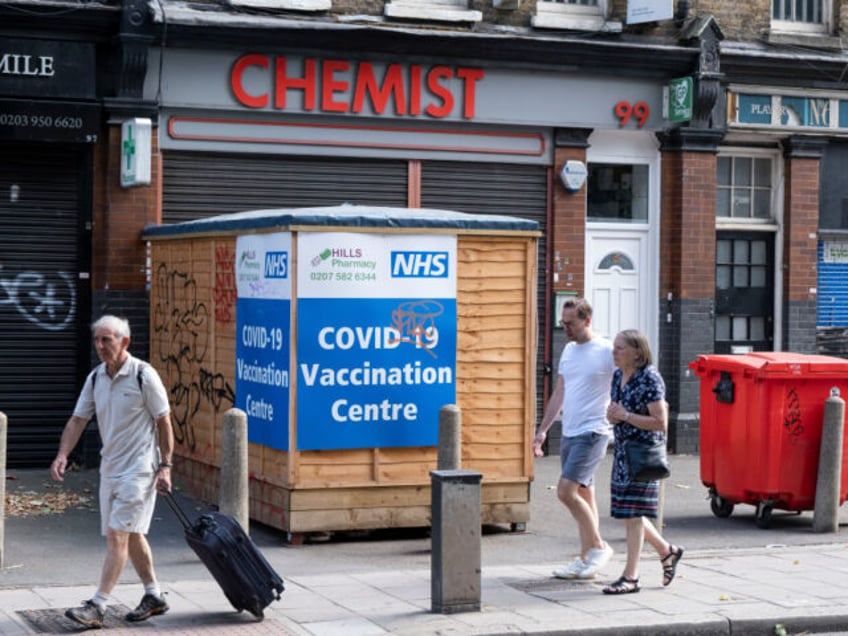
(761, 427)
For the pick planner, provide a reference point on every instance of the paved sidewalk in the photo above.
(748, 592)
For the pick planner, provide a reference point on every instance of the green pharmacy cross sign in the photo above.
(136, 136)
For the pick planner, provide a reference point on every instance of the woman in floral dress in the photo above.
(637, 409)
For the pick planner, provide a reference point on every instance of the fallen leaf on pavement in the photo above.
(27, 504)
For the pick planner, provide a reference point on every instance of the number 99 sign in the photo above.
(624, 110)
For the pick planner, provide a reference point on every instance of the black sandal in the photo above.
(624, 585)
(675, 553)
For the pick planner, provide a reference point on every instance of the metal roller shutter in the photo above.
(495, 188)
(201, 185)
(44, 310)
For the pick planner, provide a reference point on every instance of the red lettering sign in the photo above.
(340, 86)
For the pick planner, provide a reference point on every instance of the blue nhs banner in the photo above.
(376, 339)
(374, 374)
(263, 332)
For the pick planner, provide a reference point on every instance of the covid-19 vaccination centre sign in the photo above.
(375, 350)
(376, 338)
(263, 335)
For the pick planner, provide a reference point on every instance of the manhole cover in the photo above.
(548, 585)
(54, 621)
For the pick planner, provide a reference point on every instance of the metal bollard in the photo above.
(233, 499)
(450, 438)
(3, 426)
(829, 478)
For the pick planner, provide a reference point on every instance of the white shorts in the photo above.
(127, 502)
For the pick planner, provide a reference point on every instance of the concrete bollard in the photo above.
(234, 499)
(3, 426)
(450, 438)
(455, 566)
(829, 478)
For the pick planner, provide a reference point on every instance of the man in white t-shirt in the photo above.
(581, 395)
(133, 416)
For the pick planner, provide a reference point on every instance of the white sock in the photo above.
(100, 599)
(153, 588)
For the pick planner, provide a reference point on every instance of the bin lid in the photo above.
(772, 364)
(355, 217)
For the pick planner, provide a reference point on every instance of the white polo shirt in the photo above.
(126, 416)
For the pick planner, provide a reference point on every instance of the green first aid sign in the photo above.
(680, 99)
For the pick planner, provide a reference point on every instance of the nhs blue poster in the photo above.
(263, 336)
(376, 339)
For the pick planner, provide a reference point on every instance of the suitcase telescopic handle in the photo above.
(181, 515)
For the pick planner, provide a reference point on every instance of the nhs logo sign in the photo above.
(276, 264)
(414, 264)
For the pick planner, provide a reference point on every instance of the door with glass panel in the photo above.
(744, 298)
(747, 209)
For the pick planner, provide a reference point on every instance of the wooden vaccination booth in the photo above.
(341, 332)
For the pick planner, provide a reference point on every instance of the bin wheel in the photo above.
(721, 507)
(763, 518)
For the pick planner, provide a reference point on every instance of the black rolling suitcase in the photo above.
(247, 579)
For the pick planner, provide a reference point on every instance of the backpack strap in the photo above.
(138, 377)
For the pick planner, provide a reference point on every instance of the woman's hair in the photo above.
(119, 326)
(639, 341)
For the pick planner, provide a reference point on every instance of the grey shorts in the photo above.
(580, 456)
(127, 503)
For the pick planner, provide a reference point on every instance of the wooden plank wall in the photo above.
(193, 318)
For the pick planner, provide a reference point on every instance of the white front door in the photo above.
(619, 277)
(622, 239)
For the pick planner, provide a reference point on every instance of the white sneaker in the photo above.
(572, 570)
(598, 558)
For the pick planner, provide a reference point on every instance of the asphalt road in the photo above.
(67, 549)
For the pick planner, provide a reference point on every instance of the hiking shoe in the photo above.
(572, 570)
(598, 558)
(89, 614)
(149, 606)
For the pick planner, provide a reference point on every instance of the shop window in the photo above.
(744, 188)
(801, 16)
(439, 10)
(579, 15)
(284, 5)
(617, 193)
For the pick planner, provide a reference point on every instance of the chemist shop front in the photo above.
(241, 131)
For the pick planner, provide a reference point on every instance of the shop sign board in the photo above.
(263, 336)
(640, 11)
(376, 338)
(835, 252)
(814, 112)
(47, 69)
(679, 99)
(41, 120)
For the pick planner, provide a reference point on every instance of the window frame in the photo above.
(439, 10)
(775, 199)
(803, 27)
(554, 14)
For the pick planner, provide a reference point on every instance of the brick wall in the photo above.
(569, 227)
(119, 216)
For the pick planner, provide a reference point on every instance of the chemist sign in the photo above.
(376, 338)
(263, 330)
